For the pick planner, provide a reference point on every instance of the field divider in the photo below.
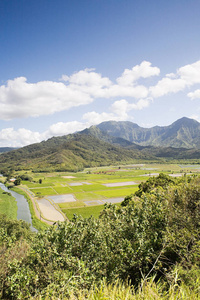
(54, 190)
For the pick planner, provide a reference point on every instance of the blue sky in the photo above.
(66, 65)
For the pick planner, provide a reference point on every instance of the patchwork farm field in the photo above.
(85, 193)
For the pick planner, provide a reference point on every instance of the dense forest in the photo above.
(150, 244)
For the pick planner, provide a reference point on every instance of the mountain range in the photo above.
(184, 133)
(108, 143)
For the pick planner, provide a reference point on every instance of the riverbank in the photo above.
(38, 221)
(42, 215)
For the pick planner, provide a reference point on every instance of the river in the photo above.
(23, 211)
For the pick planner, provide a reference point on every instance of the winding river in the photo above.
(23, 211)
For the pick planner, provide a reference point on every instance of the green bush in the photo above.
(154, 236)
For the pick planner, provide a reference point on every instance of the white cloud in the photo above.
(96, 118)
(62, 128)
(119, 111)
(185, 76)
(88, 77)
(115, 90)
(195, 117)
(21, 99)
(142, 103)
(18, 138)
(166, 86)
(64, 78)
(194, 95)
(23, 137)
(144, 70)
(122, 107)
(190, 73)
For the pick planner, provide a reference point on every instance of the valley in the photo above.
(79, 173)
(60, 195)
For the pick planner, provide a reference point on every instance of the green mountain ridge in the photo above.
(68, 153)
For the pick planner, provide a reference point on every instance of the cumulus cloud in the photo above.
(18, 138)
(185, 76)
(88, 77)
(21, 99)
(166, 86)
(62, 128)
(144, 70)
(194, 95)
(9, 137)
(190, 73)
(121, 107)
(96, 118)
(119, 111)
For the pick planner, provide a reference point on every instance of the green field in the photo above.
(85, 212)
(8, 205)
(89, 185)
(117, 192)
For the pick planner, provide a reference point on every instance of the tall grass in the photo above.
(124, 291)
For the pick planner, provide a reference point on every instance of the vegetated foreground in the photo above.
(151, 240)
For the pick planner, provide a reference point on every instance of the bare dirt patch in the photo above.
(75, 184)
(63, 198)
(49, 211)
(93, 202)
(78, 183)
(113, 200)
(150, 174)
(176, 175)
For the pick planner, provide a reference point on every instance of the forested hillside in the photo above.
(68, 153)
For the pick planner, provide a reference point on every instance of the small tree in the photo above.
(17, 181)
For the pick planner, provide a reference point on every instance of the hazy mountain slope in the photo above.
(6, 149)
(184, 133)
(103, 136)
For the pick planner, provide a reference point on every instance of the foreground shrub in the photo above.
(156, 235)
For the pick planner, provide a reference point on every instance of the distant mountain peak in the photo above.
(185, 121)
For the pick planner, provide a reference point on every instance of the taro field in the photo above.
(85, 193)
